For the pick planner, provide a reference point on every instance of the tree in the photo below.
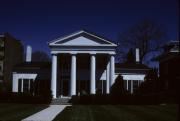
(130, 56)
(40, 56)
(146, 35)
(151, 85)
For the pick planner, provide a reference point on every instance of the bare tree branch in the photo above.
(146, 35)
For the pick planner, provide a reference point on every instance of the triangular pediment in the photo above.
(79, 41)
(81, 38)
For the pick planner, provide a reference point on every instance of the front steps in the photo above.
(61, 101)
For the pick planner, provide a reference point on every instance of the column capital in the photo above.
(92, 53)
(112, 54)
(73, 53)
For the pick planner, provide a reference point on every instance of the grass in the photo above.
(119, 113)
(17, 112)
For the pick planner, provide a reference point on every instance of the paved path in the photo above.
(47, 114)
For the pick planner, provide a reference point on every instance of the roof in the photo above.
(172, 46)
(171, 50)
(42, 69)
(32, 65)
(132, 66)
(81, 33)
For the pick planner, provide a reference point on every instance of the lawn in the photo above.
(119, 113)
(16, 112)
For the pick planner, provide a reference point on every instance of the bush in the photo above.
(90, 99)
(151, 84)
(117, 88)
(10, 97)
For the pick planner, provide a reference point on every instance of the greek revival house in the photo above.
(82, 63)
(82, 58)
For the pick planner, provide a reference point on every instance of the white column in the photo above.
(131, 86)
(102, 88)
(93, 75)
(21, 85)
(112, 69)
(127, 85)
(54, 75)
(33, 87)
(73, 75)
(107, 78)
(29, 85)
(15, 83)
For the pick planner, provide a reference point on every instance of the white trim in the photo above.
(132, 76)
(131, 69)
(64, 37)
(102, 45)
(82, 52)
(54, 42)
(24, 75)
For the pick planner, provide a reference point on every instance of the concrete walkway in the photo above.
(47, 114)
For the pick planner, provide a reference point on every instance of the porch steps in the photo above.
(61, 101)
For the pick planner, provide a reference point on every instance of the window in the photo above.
(129, 85)
(25, 85)
(19, 85)
(135, 85)
(31, 86)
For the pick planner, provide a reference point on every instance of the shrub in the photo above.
(117, 88)
(11, 97)
(151, 84)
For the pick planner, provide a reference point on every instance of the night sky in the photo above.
(36, 22)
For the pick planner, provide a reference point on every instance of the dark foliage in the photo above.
(130, 57)
(39, 56)
(151, 84)
(40, 93)
(10, 97)
(146, 35)
(117, 88)
(42, 88)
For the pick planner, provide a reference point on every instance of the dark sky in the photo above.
(36, 22)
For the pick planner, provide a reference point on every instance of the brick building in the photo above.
(11, 53)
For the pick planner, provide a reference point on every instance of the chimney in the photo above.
(137, 55)
(28, 53)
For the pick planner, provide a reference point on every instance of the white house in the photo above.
(82, 63)
(87, 51)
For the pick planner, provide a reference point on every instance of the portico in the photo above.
(75, 45)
